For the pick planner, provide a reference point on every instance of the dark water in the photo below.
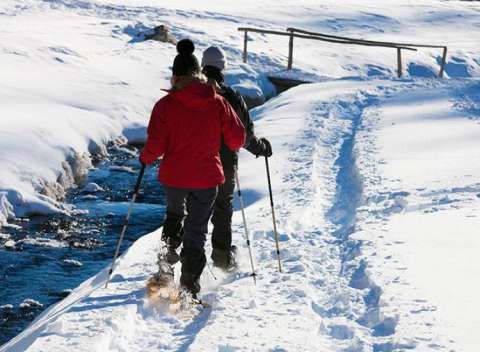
(54, 254)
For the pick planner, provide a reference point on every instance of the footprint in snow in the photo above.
(299, 268)
(340, 332)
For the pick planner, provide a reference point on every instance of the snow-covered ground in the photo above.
(376, 180)
(423, 189)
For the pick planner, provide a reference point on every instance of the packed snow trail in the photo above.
(311, 124)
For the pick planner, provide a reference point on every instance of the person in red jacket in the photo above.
(186, 129)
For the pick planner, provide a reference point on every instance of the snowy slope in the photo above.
(376, 180)
(422, 184)
(284, 310)
(64, 99)
(326, 299)
(74, 41)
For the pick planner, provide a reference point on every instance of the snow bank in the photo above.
(54, 119)
(254, 87)
(6, 209)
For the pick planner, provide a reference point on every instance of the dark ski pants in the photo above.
(222, 212)
(193, 205)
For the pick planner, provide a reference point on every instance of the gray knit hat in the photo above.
(214, 56)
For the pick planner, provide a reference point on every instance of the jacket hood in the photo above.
(195, 95)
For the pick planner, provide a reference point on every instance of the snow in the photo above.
(29, 303)
(250, 83)
(77, 102)
(9, 244)
(72, 262)
(376, 180)
(92, 188)
(428, 238)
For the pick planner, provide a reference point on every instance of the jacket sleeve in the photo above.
(252, 143)
(157, 136)
(232, 128)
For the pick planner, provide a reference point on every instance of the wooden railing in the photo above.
(300, 33)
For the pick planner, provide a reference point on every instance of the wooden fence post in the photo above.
(444, 61)
(292, 33)
(290, 52)
(399, 62)
(245, 40)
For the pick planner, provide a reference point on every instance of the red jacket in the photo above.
(186, 128)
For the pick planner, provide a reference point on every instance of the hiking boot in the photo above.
(225, 258)
(171, 256)
(190, 285)
(164, 268)
(172, 242)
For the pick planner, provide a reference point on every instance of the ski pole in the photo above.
(125, 224)
(242, 206)
(211, 271)
(273, 215)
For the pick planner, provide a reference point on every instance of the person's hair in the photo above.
(214, 73)
(184, 80)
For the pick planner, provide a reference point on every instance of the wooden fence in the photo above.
(300, 33)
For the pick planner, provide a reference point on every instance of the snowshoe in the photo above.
(159, 285)
(162, 282)
(178, 302)
(182, 302)
(190, 285)
(185, 307)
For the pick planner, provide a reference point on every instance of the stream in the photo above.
(44, 257)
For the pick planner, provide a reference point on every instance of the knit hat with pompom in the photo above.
(185, 62)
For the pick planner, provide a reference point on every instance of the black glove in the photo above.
(265, 148)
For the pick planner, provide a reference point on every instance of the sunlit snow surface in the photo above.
(376, 180)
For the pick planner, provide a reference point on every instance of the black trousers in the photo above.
(193, 205)
(222, 212)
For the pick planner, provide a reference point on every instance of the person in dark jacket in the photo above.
(186, 128)
(223, 253)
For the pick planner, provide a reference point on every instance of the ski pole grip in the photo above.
(139, 179)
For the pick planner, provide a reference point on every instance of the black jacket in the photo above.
(252, 144)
